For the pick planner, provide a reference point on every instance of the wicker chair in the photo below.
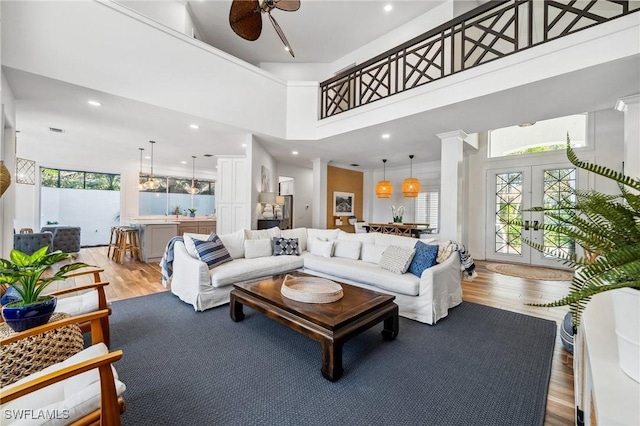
(56, 388)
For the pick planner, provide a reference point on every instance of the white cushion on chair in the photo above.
(79, 304)
(79, 395)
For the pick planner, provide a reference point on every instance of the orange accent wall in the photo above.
(343, 180)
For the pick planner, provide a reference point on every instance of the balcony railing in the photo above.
(491, 31)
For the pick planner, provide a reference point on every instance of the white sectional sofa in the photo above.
(353, 259)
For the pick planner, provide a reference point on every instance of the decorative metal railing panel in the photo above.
(492, 31)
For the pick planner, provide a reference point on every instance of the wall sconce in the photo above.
(267, 199)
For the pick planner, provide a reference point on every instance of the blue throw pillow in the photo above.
(424, 258)
(10, 296)
(212, 252)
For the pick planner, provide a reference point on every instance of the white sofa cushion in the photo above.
(246, 269)
(363, 272)
(363, 238)
(234, 242)
(372, 253)
(78, 395)
(299, 233)
(397, 259)
(257, 248)
(322, 248)
(261, 234)
(320, 234)
(347, 249)
(396, 240)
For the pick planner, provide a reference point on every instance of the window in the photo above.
(75, 179)
(543, 136)
(427, 208)
(174, 193)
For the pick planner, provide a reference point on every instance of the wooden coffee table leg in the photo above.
(391, 326)
(331, 359)
(235, 309)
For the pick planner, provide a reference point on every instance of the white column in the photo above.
(452, 144)
(319, 198)
(630, 105)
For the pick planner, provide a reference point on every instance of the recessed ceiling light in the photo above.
(94, 103)
(244, 145)
(386, 136)
(294, 152)
(194, 126)
(388, 8)
(147, 157)
(183, 162)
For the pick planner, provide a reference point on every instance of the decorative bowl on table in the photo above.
(311, 289)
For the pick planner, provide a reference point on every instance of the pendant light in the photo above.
(140, 183)
(384, 188)
(411, 185)
(193, 189)
(151, 183)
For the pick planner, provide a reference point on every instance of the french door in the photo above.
(513, 190)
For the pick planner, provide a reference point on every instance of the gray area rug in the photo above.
(478, 366)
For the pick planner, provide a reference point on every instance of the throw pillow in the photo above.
(372, 253)
(347, 249)
(300, 234)
(397, 259)
(285, 246)
(311, 240)
(190, 246)
(213, 252)
(322, 248)
(260, 234)
(257, 248)
(424, 258)
(234, 242)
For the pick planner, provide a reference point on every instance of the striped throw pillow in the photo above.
(212, 252)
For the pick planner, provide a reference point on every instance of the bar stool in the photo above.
(127, 240)
(113, 239)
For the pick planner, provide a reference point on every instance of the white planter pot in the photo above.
(626, 308)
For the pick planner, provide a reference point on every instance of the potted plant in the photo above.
(23, 273)
(608, 229)
(192, 212)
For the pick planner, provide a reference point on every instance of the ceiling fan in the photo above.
(246, 20)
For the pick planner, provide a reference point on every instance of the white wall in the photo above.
(8, 155)
(259, 157)
(302, 193)
(605, 147)
(76, 42)
(167, 12)
(380, 208)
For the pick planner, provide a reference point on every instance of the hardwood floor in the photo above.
(138, 279)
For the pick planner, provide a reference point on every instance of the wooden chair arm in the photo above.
(97, 285)
(95, 272)
(103, 363)
(93, 317)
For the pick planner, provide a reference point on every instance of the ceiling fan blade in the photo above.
(245, 19)
(281, 34)
(287, 5)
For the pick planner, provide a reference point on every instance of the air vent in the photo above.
(208, 155)
(56, 130)
(355, 165)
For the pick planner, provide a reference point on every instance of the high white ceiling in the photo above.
(320, 31)
(122, 125)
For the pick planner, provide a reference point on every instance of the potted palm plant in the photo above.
(24, 273)
(607, 227)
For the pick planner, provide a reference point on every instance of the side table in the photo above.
(32, 354)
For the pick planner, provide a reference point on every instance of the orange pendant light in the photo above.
(411, 185)
(384, 188)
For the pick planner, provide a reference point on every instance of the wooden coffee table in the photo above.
(331, 324)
